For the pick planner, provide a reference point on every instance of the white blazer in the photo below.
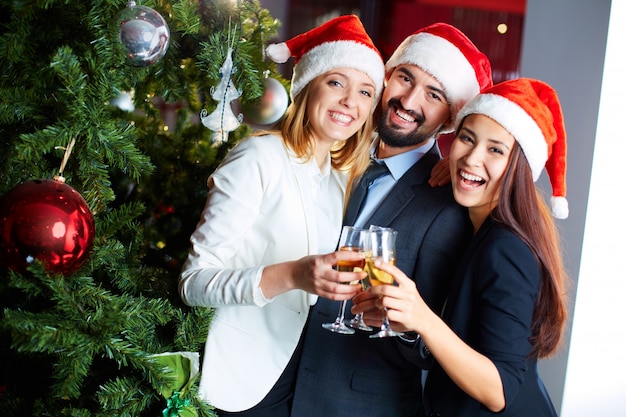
(259, 211)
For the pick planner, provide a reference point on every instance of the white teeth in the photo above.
(471, 177)
(405, 116)
(341, 117)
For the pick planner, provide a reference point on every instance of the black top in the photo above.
(490, 307)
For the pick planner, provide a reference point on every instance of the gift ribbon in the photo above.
(175, 405)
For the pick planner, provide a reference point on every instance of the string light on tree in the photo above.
(168, 111)
(143, 33)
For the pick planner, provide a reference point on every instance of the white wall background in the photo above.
(565, 43)
(595, 384)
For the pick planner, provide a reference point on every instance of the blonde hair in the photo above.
(351, 155)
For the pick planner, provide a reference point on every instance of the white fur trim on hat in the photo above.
(442, 60)
(337, 54)
(516, 121)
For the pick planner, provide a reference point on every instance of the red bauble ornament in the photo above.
(46, 220)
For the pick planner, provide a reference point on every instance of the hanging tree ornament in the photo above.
(274, 101)
(223, 119)
(46, 220)
(271, 106)
(143, 33)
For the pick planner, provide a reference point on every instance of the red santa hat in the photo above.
(341, 42)
(445, 53)
(530, 111)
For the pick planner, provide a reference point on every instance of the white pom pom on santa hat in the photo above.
(341, 42)
(530, 111)
(278, 52)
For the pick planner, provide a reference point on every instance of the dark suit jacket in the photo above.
(491, 307)
(352, 375)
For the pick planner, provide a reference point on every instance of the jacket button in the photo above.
(423, 350)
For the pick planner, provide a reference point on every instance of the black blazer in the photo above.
(491, 307)
(352, 375)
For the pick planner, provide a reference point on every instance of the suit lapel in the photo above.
(404, 192)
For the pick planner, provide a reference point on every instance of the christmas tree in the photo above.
(84, 104)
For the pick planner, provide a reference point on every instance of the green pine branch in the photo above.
(80, 345)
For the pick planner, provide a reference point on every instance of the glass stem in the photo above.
(385, 324)
(342, 312)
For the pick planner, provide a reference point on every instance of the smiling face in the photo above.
(479, 157)
(338, 104)
(414, 107)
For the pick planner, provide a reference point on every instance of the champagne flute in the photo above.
(352, 239)
(382, 248)
(357, 321)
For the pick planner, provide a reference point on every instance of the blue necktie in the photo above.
(373, 171)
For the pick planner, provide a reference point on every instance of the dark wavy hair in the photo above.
(522, 209)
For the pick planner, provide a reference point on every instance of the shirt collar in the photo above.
(312, 169)
(399, 164)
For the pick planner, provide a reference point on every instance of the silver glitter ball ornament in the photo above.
(270, 107)
(144, 34)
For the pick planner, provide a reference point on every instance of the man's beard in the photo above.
(396, 139)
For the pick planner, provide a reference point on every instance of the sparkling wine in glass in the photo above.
(382, 247)
(352, 239)
(357, 321)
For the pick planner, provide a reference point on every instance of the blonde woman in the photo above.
(275, 202)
